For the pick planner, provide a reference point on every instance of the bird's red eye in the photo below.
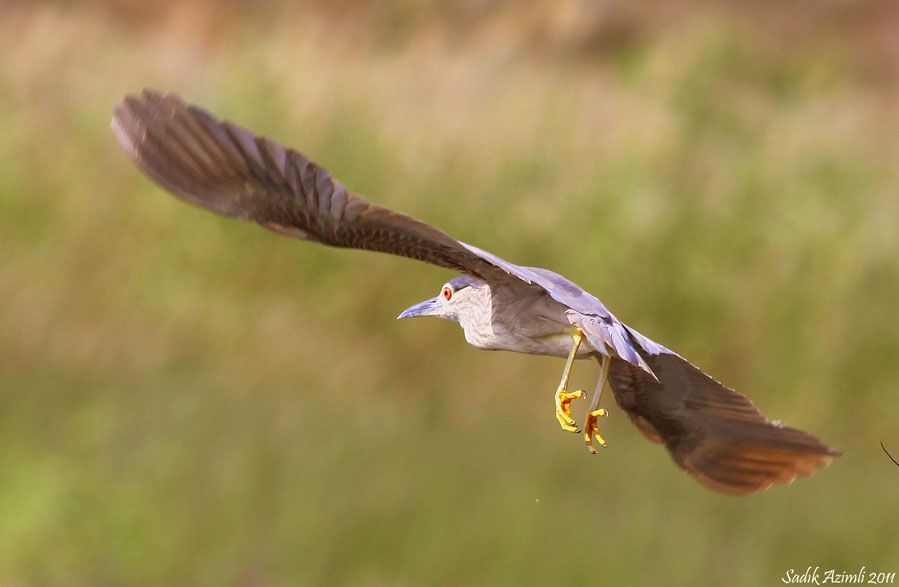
(447, 293)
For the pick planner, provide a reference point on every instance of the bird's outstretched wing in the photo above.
(714, 433)
(224, 168)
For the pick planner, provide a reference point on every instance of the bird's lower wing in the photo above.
(714, 433)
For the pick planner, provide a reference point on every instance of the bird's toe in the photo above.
(591, 429)
(563, 401)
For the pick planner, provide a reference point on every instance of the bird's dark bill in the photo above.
(428, 307)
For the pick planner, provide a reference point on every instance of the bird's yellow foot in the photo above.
(563, 408)
(591, 429)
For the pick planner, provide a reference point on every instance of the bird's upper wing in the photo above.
(224, 168)
(716, 434)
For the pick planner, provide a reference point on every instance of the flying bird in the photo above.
(714, 433)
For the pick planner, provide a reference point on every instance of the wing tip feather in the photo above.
(740, 470)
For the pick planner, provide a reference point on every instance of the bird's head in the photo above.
(457, 297)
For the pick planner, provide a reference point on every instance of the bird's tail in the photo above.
(714, 433)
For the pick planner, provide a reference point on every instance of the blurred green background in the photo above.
(191, 400)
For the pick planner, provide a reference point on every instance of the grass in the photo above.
(189, 400)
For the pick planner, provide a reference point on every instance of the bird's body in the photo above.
(714, 433)
(527, 321)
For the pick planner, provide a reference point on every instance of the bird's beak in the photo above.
(430, 307)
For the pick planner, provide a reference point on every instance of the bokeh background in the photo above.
(191, 400)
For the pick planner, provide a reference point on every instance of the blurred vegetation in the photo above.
(190, 400)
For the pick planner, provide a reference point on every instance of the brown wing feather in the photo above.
(714, 433)
(224, 168)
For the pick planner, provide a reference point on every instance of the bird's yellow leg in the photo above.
(591, 426)
(563, 396)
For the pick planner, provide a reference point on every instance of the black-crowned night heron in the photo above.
(713, 432)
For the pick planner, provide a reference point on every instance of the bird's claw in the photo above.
(563, 408)
(591, 429)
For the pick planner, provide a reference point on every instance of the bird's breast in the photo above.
(547, 338)
(523, 322)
